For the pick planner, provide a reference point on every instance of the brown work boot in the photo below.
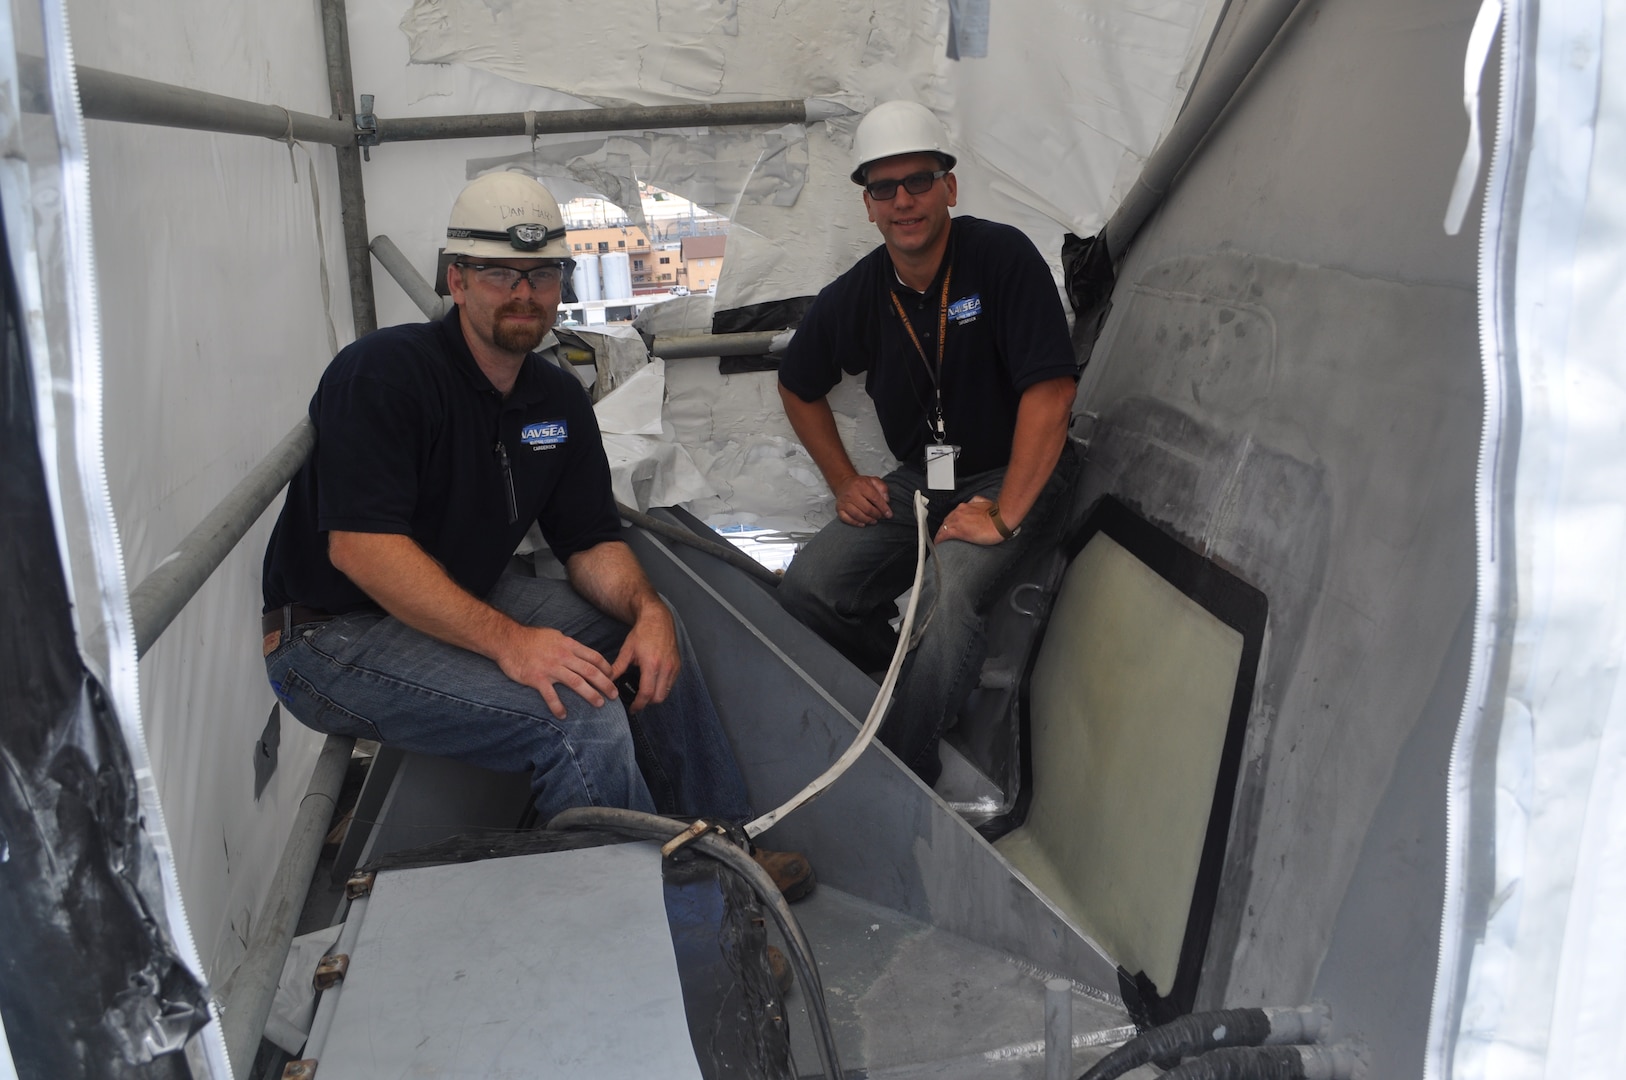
(791, 872)
(783, 978)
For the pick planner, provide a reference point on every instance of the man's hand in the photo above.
(970, 522)
(651, 647)
(863, 500)
(543, 658)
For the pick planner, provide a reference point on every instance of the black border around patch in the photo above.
(1239, 606)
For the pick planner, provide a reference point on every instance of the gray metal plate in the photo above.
(552, 965)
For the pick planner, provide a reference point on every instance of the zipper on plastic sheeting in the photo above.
(1443, 1018)
(89, 438)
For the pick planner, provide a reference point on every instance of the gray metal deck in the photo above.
(909, 1000)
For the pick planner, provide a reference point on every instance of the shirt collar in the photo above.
(527, 387)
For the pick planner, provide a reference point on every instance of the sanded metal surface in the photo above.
(907, 999)
(552, 965)
(790, 705)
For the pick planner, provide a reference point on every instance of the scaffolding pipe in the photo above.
(749, 343)
(674, 347)
(254, 986)
(390, 257)
(352, 193)
(107, 95)
(627, 118)
(173, 582)
(1202, 112)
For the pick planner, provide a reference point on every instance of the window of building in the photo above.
(620, 243)
(665, 260)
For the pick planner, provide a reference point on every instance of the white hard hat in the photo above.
(506, 215)
(897, 127)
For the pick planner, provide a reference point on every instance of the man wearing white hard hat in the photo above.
(958, 329)
(389, 610)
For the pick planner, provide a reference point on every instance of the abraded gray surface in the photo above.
(552, 965)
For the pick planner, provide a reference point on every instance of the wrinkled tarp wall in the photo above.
(1539, 806)
(102, 975)
(215, 328)
(1050, 112)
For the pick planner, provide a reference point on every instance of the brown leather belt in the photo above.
(290, 616)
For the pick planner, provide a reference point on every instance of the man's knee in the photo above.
(588, 759)
(799, 593)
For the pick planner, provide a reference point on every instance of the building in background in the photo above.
(701, 262)
(662, 253)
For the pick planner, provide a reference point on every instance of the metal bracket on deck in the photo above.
(330, 971)
(360, 885)
(300, 1070)
(366, 126)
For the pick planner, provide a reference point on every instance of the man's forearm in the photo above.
(609, 577)
(1041, 432)
(414, 588)
(815, 425)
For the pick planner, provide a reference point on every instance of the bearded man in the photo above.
(391, 612)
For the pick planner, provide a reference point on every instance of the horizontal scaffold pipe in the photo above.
(748, 343)
(625, 118)
(107, 95)
(163, 593)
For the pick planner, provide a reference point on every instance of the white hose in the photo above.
(883, 698)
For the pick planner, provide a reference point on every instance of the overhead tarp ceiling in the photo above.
(1051, 106)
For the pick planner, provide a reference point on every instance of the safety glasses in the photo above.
(915, 184)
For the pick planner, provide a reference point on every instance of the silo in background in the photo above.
(586, 278)
(617, 275)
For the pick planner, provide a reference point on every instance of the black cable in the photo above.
(1243, 1063)
(724, 551)
(1185, 1036)
(653, 827)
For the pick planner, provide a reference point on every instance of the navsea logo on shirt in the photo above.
(963, 311)
(544, 434)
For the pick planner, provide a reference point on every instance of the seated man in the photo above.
(388, 612)
(960, 331)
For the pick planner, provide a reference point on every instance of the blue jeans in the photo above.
(369, 675)
(845, 582)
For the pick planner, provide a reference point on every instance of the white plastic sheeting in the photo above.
(215, 326)
(1050, 120)
(1543, 995)
(45, 189)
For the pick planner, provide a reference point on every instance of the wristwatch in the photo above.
(1005, 531)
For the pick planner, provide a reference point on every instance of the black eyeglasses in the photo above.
(915, 184)
(545, 276)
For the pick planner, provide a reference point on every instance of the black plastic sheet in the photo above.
(89, 985)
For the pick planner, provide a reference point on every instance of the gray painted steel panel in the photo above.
(1290, 380)
(878, 833)
(910, 1000)
(534, 966)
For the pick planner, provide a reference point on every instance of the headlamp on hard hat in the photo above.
(527, 236)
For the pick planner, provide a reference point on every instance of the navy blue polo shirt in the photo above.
(407, 436)
(1006, 331)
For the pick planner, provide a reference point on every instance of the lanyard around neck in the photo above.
(934, 373)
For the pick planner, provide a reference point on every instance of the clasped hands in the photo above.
(863, 500)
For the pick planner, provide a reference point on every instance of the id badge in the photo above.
(940, 466)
